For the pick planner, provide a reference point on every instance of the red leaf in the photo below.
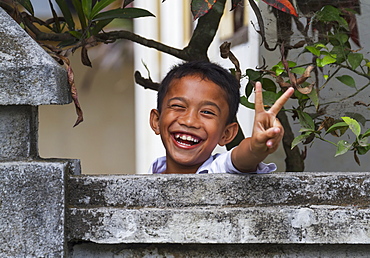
(201, 7)
(85, 57)
(282, 5)
(71, 82)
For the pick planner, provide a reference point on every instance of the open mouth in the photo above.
(186, 139)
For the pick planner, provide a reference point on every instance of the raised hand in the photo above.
(267, 130)
(266, 136)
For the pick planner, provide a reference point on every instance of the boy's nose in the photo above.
(189, 119)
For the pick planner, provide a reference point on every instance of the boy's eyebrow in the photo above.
(175, 98)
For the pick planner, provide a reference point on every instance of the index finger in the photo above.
(258, 99)
(281, 101)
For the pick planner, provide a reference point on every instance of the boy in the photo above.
(196, 106)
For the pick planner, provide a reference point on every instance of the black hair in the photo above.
(209, 71)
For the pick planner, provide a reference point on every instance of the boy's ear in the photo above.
(231, 130)
(154, 120)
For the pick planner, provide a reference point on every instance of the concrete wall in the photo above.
(283, 214)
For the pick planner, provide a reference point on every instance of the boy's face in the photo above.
(192, 122)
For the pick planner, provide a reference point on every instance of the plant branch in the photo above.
(204, 33)
(355, 71)
(146, 83)
(294, 161)
(112, 36)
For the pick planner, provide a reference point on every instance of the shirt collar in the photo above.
(159, 166)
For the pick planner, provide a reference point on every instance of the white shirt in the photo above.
(218, 163)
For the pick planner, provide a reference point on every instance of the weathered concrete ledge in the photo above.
(280, 208)
(28, 75)
(32, 208)
(90, 250)
(18, 130)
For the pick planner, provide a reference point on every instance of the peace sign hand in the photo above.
(267, 130)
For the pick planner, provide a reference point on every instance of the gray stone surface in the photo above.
(18, 131)
(28, 75)
(32, 206)
(281, 208)
(91, 250)
(161, 191)
(278, 225)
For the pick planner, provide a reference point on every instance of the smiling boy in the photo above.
(196, 107)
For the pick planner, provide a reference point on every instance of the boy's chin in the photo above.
(188, 161)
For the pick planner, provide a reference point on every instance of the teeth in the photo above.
(186, 138)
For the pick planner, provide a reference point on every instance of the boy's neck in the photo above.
(180, 169)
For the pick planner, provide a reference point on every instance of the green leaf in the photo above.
(298, 70)
(249, 89)
(340, 52)
(100, 6)
(326, 53)
(268, 84)
(363, 141)
(325, 61)
(100, 25)
(28, 6)
(66, 13)
(358, 117)
(353, 125)
(367, 133)
(279, 71)
(56, 27)
(81, 16)
(314, 98)
(75, 34)
(245, 102)
(126, 13)
(299, 139)
(355, 59)
(290, 64)
(347, 80)
(87, 7)
(342, 38)
(337, 126)
(343, 23)
(269, 97)
(302, 130)
(253, 75)
(320, 45)
(331, 14)
(328, 14)
(306, 120)
(362, 150)
(313, 50)
(342, 147)
(328, 60)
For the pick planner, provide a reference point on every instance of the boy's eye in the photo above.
(208, 112)
(177, 106)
